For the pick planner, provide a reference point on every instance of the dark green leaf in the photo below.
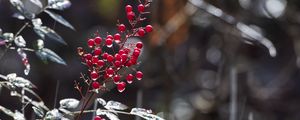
(44, 31)
(47, 54)
(59, 19)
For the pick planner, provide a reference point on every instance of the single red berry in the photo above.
(136, 53)
(149, 28)
(117, 78)
(95, 59)
(117, 63)
(141, 32)
(128, 63)
(89, 63)
(100, 63)
(80, 51)
(126, 50)
(118, 57)
(91, 43)
(110, 72)
(104, 55)
(141, 8)
(139, 45)
(124, 57)
(129, 78)
(128, 8)
(97, 51)
(96, 85)
(122, 27)
(117, 36)
(121, 52)
(130, 15)
(110, 58)
(94, 75)
(98, 118)
(88, 56)
(133, 61)
(106, 76)
(109, 36)
(121, 86)
(98, 40)
(139, 75)
(109, 42)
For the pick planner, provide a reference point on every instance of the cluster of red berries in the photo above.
(104, 66)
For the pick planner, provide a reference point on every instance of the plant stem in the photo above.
(91, 111)
(22, 28)
(86, 103)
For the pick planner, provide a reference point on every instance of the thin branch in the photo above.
(23, 27)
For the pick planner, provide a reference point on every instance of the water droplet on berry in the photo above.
(148, 28)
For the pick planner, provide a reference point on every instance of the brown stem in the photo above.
(86, 103)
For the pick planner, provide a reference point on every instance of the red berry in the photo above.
(98, 40)
(109, 36)
(129, 78)
(122, 27)
(88, 56)
(124, 57)
(97, 51)
(104, 55)
(25, 61)
(110, 72)
(141, 8)
(117, 78)
(110, 58)
(133, 60)
(128, 8)
(109, 42)
(94, 75)
(139, 45)
(117, 38)
(121, 86)
(121, 52)
(106, 76)
(128, 63)
(130, 15)
(117, 63)
(100, 63)
(96, 85)
(141, 32)
(126, 50)
(118, 57)
(89, 63)
(95, 59)
(136, 53)
(148, 28)
(139, 75)
(97, 118)
(91, 43)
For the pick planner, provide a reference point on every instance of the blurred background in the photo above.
(205, 60)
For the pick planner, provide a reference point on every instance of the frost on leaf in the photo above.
(146, 114)
(45, 54)
(53, 115)
(18, 16)
(20, 6)
(113, 105)
(19, 81)
(20, 42)
(38, 112)
(59, 19)
(59, 4)
(101, 101)
(69, 103)
(109, 115)
(19, 116)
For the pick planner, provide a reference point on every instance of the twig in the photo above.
(23, 27)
